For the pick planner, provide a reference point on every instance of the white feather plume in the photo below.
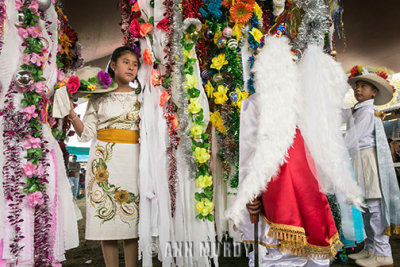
(324, 84)
(278, 102)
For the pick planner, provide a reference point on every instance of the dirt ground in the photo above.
(89, 252)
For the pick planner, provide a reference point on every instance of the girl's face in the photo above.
(125, 69)
(364, 91)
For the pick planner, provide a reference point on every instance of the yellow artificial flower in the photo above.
(217, 35)
(196, 130)
(242, 95)
(216, 120)
(257, 10)
(191, 81)
(237, 31)
(204, 181)
(186, 53)
(218, 62)
(257, 34)
(91, 87)
(220, 95)
(209, 88)
(204, 207)
(201, 155)
(194, 106)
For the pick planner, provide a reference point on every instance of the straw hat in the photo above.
(385, 93)
(88, 72)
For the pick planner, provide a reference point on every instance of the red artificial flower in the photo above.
(382, 74)
(163, 24)
(134, 28)
(135, 7)
(155, 77)
(354, 71)
(73, 84)
(164, 97)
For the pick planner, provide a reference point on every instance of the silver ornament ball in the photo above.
(44, 4)
(232, 44)
(24, 78)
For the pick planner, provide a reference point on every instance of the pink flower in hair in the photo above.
(35, 198)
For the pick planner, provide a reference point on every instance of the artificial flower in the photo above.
(134, 28)
(73, 84)
(209, 89)
(40, 87)
(39, 171)
(241, 13)
(237, 31)
(204, 207)
(220, 95)
(355, 71)
(257, 11)
(196, 130)
(217, 36)
(29, 169)
(191, 81)
(218, 62)
(23, 33)
(164, 97)
(37, 59)
(201, 155)
(35, 198)
(104, 78)
(174, 122)
(26, 59)
(155, 77)
(257, 34)
(227, 3)
(30, 112)
(91, 87)
(204, 181)
(382, 74)
(60, 75)
(147, 57)
(34, 32)
(242, 96)
(101, 175)
(19, 4)
(216, 120)
(34, 6)
(31, 142)
(163, 24)
(135, 7)
(121, 196)
(195, 106)
(145, 28)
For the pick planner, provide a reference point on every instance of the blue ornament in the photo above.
(234, 97)
(221, 42)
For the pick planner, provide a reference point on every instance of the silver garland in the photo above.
(179, 95)
(314, 25)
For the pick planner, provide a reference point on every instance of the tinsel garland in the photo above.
(3, 16)
(314, 25)
(172, 78)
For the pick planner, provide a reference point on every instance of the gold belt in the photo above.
(118, 136)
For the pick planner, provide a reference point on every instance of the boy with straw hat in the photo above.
(382, 215)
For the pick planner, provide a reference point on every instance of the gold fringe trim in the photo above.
(294, 241)
(261, 243)
(392, 230)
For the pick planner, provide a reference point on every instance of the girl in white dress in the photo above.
(112, 202)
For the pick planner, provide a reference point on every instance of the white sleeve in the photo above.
(90, 121)
(364, 124)
(247, 135)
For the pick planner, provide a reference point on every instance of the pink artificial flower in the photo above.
(32, 142)
(58, 48)
(73, 84)
(35, 198)
(34, 6)
(34, 32)
(164, 97)
(134, 28)
(18, 4)
(39, 170)
(26, 59)
(41, 87)
(37, 59)
(29, 169)
(30, 112)
(60, 75)
(23, 33)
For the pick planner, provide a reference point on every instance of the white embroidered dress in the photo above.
(112, 194)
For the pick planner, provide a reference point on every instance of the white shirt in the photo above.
(364, 116)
